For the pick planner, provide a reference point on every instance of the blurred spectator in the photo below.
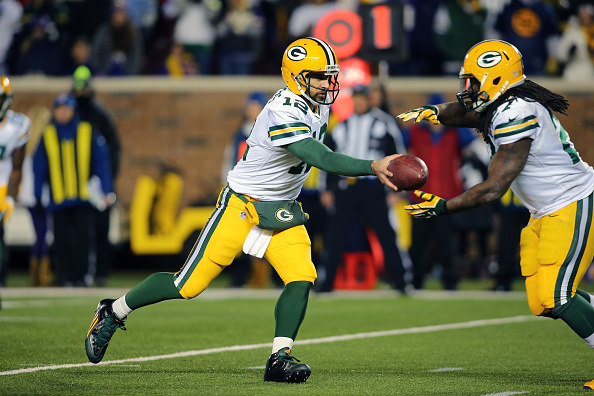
(458, 25)
(575, 49)
(513, 218)
(69, 153)
(40, 271)
(432, 239)
(304, 17)
(85, 16)
(240, 37)
(532, 27)
(424, 56)
(178, 63)
(103, 123)
(118, 47)
(195, 28)
(378, 98)
(143, 15)
(371, 134)
(10, 22)
(79, 55)
(474, 227)
(40, 51)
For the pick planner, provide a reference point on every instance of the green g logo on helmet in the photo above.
(296, 53)
(489, 59)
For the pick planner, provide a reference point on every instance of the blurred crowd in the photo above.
(243, 37)
(84, 38)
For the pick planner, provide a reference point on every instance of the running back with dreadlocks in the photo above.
(532, 154)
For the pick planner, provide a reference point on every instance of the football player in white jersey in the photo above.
(14, 133)
(257, 212)
(532, 154)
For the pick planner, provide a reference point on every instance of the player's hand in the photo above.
(380, 169)
(428, 112)
(435, 206)
(6, 209)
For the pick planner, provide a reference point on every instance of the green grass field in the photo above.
(367, 343)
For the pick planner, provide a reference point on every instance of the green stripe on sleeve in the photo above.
(515, 122)
(527, 128)
(289, 134)
(289, 125)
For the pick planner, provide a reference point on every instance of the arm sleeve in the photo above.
(317, 154)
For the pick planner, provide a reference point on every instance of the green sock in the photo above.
(156, 287)
(578, 314)
(587, 296)
(290, 309)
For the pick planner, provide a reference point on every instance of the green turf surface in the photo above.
(46, 327)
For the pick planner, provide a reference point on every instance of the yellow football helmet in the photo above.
(310, 55)
(5, 95)
(490, 68)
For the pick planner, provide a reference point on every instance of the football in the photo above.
(410, 172)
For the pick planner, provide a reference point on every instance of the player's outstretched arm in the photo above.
(505, 166)
(450, 114)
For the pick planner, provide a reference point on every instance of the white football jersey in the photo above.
(14, 133)
(554, 175)
(268, 171)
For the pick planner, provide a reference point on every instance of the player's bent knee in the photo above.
(538, 310)
(200, 278)
(534, 302)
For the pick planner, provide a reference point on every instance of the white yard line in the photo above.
(346, 337)
(227, 293)
(445, 369)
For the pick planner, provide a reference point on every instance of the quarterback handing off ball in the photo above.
(410, 172)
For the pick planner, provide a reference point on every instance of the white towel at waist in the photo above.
(257, 241)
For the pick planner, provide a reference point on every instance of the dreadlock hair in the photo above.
(529, 91)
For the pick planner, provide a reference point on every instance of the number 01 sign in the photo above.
(375, 33)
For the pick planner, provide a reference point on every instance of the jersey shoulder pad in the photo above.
(288, 103)
(516, 117)
(19, 120)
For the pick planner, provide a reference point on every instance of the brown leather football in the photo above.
(410, 172)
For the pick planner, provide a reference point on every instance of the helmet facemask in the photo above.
(5, 102)
(470, 95)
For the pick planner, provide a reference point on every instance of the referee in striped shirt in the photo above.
(369, 133)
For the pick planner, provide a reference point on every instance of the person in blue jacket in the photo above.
(69, 153)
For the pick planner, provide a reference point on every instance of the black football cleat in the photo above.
(104, 324)
(281, 367)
